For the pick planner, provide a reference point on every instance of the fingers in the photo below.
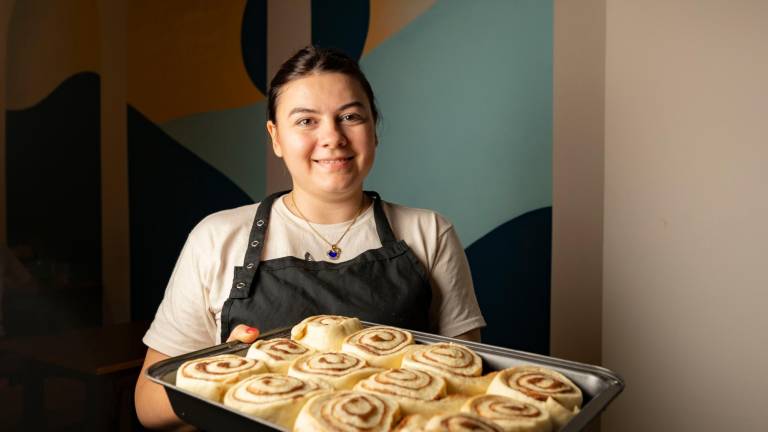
(243, 333)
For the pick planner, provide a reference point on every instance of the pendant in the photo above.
(334, 252)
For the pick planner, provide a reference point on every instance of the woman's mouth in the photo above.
(334, 163)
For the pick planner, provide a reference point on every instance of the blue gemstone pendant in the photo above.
(334, 252)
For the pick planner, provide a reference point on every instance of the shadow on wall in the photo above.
(511, 272)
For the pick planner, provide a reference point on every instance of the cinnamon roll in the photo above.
(341, 370)
(277, 353)
(325, 332)
(380, 346)
(510, 414)
(347, 411)
(541, 387)
(460, 366)
(273, 397)
(417, 392)
(210, 377)
(460, 422)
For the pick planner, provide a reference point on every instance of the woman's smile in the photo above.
(334, 163)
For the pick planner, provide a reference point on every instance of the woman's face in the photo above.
(325, 134)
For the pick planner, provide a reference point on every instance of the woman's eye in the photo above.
(351, 117)
(304, 122)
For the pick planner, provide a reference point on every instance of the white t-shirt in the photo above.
(189, 317)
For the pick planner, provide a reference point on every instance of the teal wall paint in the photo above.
(466, 96)
(232, 141)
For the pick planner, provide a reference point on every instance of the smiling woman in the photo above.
(324, 248)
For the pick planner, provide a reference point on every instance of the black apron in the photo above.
(387, 285)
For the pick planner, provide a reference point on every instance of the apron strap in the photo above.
(386, 236)
(244, 276)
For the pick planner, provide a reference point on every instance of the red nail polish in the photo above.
(252, 330)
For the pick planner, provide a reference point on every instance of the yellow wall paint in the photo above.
(185, 57)
(390, 16)
(47, 43)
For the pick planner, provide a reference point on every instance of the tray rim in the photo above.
(614, 382)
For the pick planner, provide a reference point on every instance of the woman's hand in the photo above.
(243, 333)
(152, 405)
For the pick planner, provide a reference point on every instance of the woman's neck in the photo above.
(321, 210)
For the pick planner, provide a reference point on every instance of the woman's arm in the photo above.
(152, 405)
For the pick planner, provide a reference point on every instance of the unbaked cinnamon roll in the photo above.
(380, 346)
(277, 353)
(347, 411)
(341, 370)
(541, 387)
(325, 332)
(460, 366)
(512, 415)
(417, 392)
(273, 397)
(210, 377)
(460, 422)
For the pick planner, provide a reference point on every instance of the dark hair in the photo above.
(312, 59)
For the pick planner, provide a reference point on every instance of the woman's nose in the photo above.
(332, 135)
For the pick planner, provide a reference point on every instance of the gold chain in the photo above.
(335, 251)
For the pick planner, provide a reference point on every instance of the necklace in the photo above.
(335, 251)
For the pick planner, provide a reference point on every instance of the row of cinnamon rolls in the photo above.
(334, 375)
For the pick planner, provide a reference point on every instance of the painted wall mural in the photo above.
(465, 89)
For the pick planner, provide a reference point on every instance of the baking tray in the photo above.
(598, 385)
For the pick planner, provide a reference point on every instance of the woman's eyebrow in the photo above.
(302, 110)
(298, 110)
(357, 104)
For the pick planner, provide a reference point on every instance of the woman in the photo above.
(326, 247)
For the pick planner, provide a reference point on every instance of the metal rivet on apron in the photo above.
(240, 285)
(255, 243)
(259, 223)
(250, 265)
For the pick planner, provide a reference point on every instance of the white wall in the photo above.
(685, 294)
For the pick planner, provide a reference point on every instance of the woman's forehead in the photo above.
(324, 91)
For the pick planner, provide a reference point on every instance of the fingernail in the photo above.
(252, 330)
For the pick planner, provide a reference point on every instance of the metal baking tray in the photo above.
(598, 385)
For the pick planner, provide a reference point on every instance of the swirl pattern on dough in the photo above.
(219, 368)
(273, 397)
(347, 411)
(407, 383)
(272, 388)
(380, 340)
(446, 359)
(460, 422)
(508, 413)
(210, 377)
(540, 384)
(341, 370)
(328, 364)
(277, 353)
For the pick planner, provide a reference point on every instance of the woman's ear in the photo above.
(272, 129)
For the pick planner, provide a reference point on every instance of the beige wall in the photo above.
(686, 214)
(577, 169)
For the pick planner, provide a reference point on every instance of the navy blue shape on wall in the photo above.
(511, 273)
(253, 42)
(54, 174)
(171, 190)
(341, 24)
(53, 178)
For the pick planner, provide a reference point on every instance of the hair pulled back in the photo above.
(314, 60)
